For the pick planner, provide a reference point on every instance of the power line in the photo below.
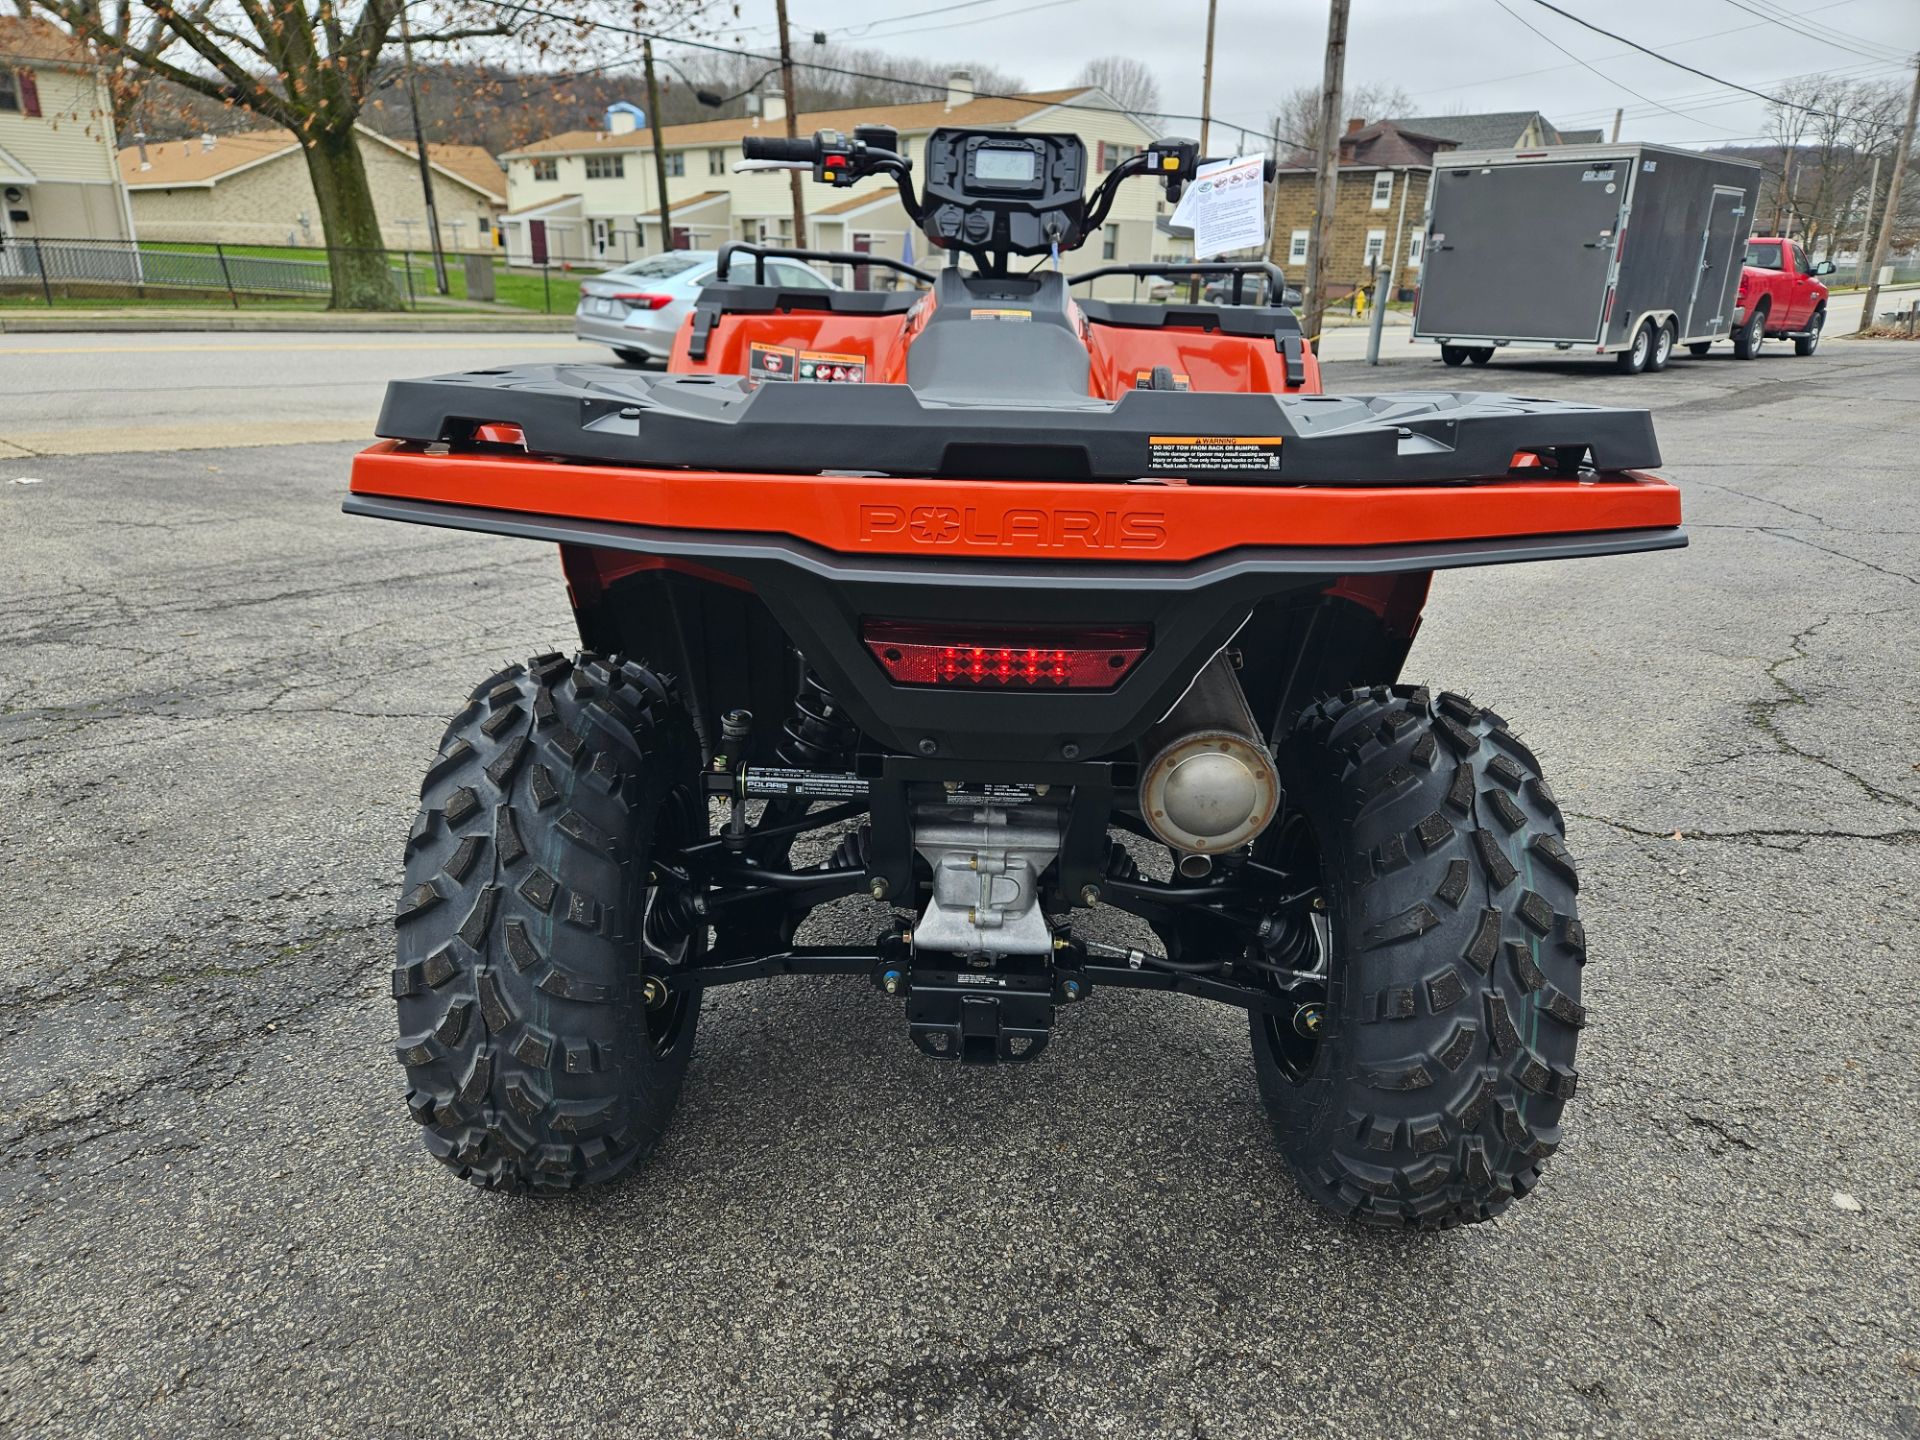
(613, 25)
(1608, 78)
(1620, 55)
(1793, 28)
(1772, 7)
(971, 20)
(1710, 99)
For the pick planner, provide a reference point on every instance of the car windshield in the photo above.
(659, 267)
(1764, 257)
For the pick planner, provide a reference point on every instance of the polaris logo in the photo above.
(1028, 527)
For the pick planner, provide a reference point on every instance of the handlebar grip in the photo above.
(767, 147)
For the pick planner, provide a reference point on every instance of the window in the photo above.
(1416, 247)
(1112, 154)
(1801, 264)
(716, 162)
(797, 277)
(606, 167)
(1110, 242)
(546, 169)
(676, 162)
(1764, 257)
(1382, 189)
(1376, 247)
(1297, 248)
(9, 91)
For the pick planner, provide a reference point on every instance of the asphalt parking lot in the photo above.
(217, 694)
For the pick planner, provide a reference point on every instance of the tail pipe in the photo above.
(1208, 783)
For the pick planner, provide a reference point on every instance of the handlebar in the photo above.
(768, 147)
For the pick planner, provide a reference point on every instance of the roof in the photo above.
(37, 40)
(924, 115)
(1496, 130)
(187, 163)
(857, 202)
(1582, 137)
(471, 163)
(1383, 145)
(557, 202)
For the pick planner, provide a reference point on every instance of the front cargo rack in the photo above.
(608, 415)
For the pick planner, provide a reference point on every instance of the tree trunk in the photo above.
(356, 255)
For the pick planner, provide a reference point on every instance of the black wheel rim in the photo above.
(1303, 941)
(666, 943)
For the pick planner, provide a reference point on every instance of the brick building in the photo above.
(1381, 188)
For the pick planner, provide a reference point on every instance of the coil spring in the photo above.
(816, 736)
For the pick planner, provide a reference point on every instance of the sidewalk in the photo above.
(135, 319)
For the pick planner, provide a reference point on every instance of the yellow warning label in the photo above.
(979, 314)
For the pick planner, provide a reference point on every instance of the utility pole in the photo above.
(659, 149)
(1866, 221)
(1326, 168)
(1383, 293)
(1618, 115)
(793, 128)
(1273, 214)
(1206, 78)
(426, 166)
(1884, 244)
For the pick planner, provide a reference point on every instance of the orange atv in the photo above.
(1009, 610)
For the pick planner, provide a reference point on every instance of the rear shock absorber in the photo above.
(817, 735)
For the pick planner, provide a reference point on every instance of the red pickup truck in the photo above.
(1779, 298)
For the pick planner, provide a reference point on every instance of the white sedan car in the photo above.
(638, 308)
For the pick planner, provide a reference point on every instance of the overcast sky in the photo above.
(1447, 54)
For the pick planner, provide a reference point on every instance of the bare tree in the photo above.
(1297, 117)
(311, 66)
(1126, 79)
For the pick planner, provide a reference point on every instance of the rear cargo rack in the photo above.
(611, 416)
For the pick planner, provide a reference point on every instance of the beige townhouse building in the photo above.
(58, 180)
(253, 188)
(591, 197)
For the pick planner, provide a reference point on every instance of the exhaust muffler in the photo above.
(1209, 784)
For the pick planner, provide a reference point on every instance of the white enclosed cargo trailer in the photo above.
(1631, 250)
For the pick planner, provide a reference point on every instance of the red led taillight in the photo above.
(1005, 657)
(645, 302)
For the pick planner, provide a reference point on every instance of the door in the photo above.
(1522, 251)
(862, 274)
(1722, 243)
(537, 241)
(599, 237)
(1799, 287)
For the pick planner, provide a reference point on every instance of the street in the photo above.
(217, 697)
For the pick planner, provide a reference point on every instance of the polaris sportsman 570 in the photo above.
(988, 575)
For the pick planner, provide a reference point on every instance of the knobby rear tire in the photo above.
(1453, 1008)
(533, 1063)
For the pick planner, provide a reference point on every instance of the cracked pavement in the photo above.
(217, 695)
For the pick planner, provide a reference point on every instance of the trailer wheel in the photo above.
(1633, 360)
(1662, 347)
(1454, 354)
(1482, 356)
(1699, 349)
(1747, 339)
(1808, 343)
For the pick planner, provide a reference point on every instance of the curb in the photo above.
(115, 322)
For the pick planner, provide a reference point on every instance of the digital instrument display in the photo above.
(1005, 167)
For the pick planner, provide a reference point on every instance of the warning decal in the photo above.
(1183, 454)
(979, 314)
(824, 368)
(770, 362)
(1143, 380)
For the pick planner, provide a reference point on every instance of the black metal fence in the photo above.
(55, 270)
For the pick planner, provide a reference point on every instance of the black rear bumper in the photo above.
(611, 415)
